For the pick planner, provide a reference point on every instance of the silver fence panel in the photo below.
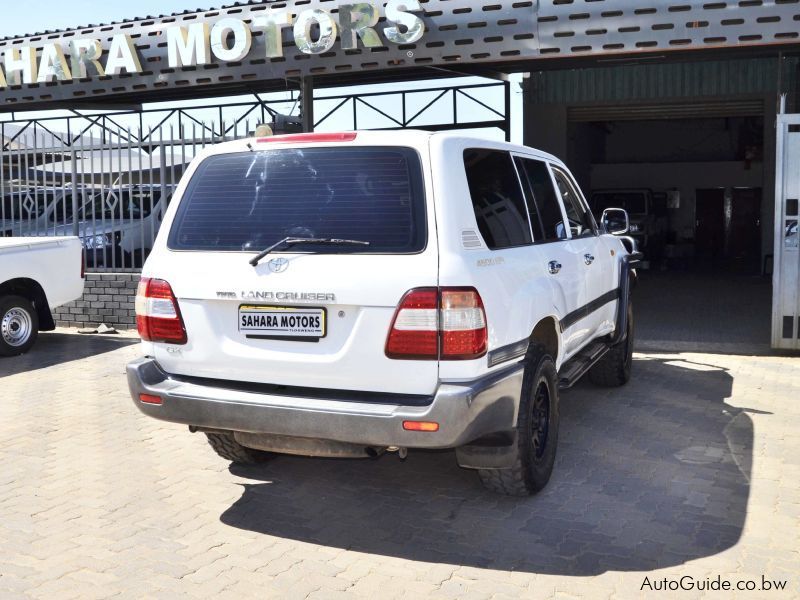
(110, 192)
(786, 271)
(109, 183)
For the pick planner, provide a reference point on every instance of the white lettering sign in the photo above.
(313, 31)
(242, 40)
(53, 65)
(122, 56)
(20, 65)
(188, 46)
(85, 54)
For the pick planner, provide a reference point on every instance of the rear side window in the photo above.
(580, 219)
(497, 199)
(543, 200)
(249, 201)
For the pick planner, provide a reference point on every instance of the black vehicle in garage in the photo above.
(648, 222)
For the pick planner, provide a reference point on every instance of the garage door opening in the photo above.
(698, 190)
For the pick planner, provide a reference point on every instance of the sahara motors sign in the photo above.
(314, 31)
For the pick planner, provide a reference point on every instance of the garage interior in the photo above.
(690, 148)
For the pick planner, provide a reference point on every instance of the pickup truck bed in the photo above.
(36, 276)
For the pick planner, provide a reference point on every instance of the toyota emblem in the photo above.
(278, 265)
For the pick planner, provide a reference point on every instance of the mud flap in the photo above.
(498, 451)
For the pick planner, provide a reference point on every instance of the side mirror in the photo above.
(615, 221)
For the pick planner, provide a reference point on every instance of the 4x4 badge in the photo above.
(278, 265)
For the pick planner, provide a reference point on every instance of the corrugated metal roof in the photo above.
(655, 81)
(705, 109)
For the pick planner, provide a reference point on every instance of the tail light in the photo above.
(415, 330)
(83, 263)
(158, 317)
(439, 323)
(463, 325)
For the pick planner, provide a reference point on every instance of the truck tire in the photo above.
(229, 449)
(536, 431)
(614, 369)
(19, 325)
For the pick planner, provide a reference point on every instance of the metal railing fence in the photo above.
(112, 193)
(97, 177)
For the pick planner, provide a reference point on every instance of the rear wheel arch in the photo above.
(547, 333)
(34, 292)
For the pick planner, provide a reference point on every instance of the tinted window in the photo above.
(61, 210)
(580, 220)
(546, 205)
(251, 200)
(497, 198)
(26, 206)
(116, 203)
(62, 207)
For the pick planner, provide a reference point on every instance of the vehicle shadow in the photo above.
(648, 476)
(54, 348)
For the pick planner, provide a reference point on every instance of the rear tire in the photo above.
(19, 325)
(228, 448)
(536, 431)
(614, 369)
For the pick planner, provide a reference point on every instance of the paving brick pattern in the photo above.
(692, 469)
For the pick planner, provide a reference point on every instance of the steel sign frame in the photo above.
(454, 32)
(590, 27)
(260, 46)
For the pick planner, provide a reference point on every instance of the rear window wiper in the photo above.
(293, 241)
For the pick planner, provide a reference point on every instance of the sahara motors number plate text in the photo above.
(282, 322)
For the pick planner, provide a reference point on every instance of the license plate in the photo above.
(279, 322)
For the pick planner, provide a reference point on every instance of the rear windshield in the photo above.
(249, 201)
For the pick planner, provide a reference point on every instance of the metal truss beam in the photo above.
(438, 108)
(489, 37)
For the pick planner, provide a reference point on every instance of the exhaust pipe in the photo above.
(373, 452)
(402, 453)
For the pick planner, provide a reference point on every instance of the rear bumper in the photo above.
(465, 411)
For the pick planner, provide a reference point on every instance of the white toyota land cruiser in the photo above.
(349, 294)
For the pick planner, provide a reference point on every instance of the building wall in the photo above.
(107, 298)
(639, 82)
(687, 178)
(550, 95)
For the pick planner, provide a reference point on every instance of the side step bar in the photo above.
(577, 366)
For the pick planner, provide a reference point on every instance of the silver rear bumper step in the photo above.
(465, 411)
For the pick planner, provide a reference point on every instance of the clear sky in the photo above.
(38, 15)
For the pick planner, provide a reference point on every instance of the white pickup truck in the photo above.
(358, 293)
(36, 276)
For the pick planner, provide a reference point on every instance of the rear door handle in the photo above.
(553, 267)
(588, 258)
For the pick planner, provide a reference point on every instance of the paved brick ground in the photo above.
(692, 469)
